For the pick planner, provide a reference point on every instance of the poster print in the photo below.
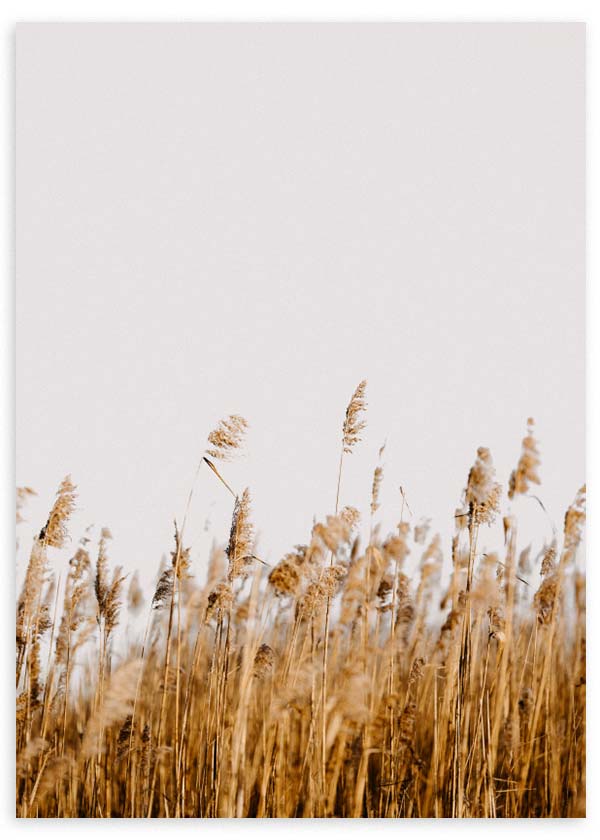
(300, 420)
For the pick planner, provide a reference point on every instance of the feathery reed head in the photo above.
(220, 600)
(375, 487)
(54, 532)
(285, 577)
(350, 515)
(334, 532)
(22, 495)
(526, 472)
(135, 595)
(241, 539)
(163, 591)
(421, 530)
(483, 491)
(107, 589)
(544, 600)
(548, 564)
(377, 479)
(180, 556)
(353, 422)
(263, 662)
(227, 438)
(574, 522)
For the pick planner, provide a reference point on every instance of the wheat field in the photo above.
(329, 685)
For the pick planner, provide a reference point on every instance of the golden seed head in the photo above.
(135, 595)
(350, 515)
(483, 492)
(312, 601)
(263, 662)
(219, 600)
(285, 578)
(545, 598)
(241, 539)
(526, 472)
(353, 422)
(548, 559)
(227, 438)
(574, 522)
(375, 488)
(421, 530)
(22, 495)
(54, 533)
(334, 533)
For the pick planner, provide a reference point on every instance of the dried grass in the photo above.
(328, 685)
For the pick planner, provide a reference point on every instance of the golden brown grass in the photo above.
(323, 686)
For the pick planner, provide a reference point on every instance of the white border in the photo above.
(198, 10)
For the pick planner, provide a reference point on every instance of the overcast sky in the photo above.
(252, 218)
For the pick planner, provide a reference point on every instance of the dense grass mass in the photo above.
(324, 686)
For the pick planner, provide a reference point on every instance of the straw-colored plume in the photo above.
(135, 595)
(220, 600)
(22, 496)
(54, 532)
(263, 662)
(353, 422)
(334, 533)
(375, 488)
(107, 588)
(350, 515)
(286, 576)
(483, 491)
(241, 539)
(575, 522)
(526, 472)
(227, 438)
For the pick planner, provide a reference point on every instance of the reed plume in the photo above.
(526, 472)
(227, 438)
(352, 428)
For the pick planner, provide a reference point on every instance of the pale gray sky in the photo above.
(251, 218)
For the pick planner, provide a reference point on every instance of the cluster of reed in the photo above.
(327, 685)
